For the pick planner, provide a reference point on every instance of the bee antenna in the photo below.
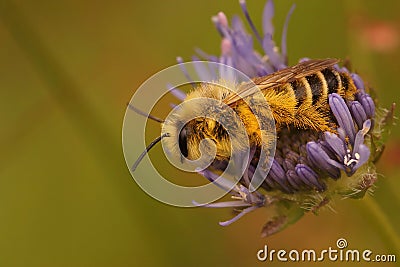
(153, 143)
(138, 111)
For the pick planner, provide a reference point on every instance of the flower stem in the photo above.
(382, 223)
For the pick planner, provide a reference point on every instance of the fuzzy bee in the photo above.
(297, 98)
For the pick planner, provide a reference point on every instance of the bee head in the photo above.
(202, 123)
(195, 131)
(191, 138)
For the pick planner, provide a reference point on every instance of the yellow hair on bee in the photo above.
(296, 97)
(282, 102)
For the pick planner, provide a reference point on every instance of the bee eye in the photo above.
(183, 142)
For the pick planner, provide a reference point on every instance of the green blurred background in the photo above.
(67, 70)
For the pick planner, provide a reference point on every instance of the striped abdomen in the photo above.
(304, 101)
(315, 88)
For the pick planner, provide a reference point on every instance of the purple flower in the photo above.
(237, 46)
(306, 162)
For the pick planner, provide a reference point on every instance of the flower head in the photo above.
(309, 167)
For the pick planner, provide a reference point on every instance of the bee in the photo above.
(297, 97)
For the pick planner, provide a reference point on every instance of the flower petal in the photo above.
(364, 153)
(284, 33)
(358, 113)
(224, 204)
(246, 14)
(358, 82)
(240, 215)
(221, 23)
(336, 144)
(320, 159)
(360, 135)
(185, 72)
(221, 182)
(269, 49)
(201, 69)
(267, 16)
(176, 92)
(294, 179)
(278, 175)
(342, 115)
(368, 104)
(309, 177)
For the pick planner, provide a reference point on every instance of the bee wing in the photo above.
(283, 76)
